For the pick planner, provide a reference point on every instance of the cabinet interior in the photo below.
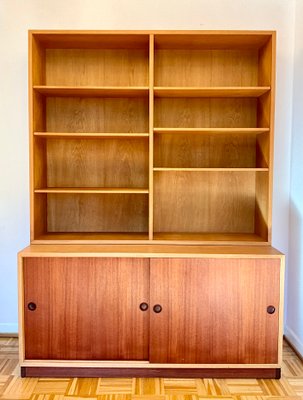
(153, 136)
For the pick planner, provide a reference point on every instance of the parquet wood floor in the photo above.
(12, 387)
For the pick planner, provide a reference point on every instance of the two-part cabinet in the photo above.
(151, 165)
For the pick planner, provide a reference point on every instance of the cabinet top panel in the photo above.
(151, 251)
(164, 39)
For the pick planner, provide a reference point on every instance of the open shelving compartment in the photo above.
(151, 136)
(213, 138)
(90, 136)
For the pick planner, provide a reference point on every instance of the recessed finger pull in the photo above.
(32, 306)
(143, 306)
(157, 308)
(271, 309)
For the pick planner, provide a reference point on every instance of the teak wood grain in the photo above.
(214, 311)
(86, 308)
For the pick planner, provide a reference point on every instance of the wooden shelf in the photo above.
(209, 237)
(92, 190)
(82, 237)
(210, 91)
(93, 91)
(166, 169)
(211, 130)
(88, 135)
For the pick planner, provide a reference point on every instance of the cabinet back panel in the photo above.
(97, 163)
(96, 67)
(206, 68)
(76, 114)
(197, 150)
(97, 213)
(205, 113)
(212, 40)
(222, 202)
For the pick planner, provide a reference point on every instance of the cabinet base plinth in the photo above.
(71, 372)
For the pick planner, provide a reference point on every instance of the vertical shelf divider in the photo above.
(151, 138)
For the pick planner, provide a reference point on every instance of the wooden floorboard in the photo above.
(12, 387)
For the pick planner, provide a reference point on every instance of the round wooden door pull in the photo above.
(143, 306)
(32, 306)
(157, 308)
(271, 309)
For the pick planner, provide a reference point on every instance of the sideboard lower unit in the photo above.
(151, 310)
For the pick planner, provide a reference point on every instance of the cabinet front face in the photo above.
(215, 311)
(86, 308)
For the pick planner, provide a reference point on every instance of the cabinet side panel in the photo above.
(86, 308)
(261, 217)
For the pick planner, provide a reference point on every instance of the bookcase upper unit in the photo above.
(151, 136)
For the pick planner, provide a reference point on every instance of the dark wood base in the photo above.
(71, 372)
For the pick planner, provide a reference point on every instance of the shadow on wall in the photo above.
(294, 323)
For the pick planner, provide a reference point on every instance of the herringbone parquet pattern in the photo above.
(12, 387)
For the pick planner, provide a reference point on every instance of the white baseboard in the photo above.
(8, 328)
(294, 340)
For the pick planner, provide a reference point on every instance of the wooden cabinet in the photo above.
(151, 158)
(187, 309)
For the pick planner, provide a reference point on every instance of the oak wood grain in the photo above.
(206, 68)
(91, 163)
(151, 250)
(98, 67)
(205, 113)
(205, 202)
(97, 213)
(197, 150)
(74, 114)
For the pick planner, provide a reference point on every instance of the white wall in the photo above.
(17, 16)
(294, 320)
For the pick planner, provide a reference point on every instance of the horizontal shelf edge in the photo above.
(236, 91)
(92, 190)
(85, 135)
(159, 169)
(99, 91)
(211, 130)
